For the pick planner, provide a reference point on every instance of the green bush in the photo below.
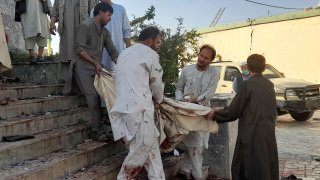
(18, 55)
(178, 47)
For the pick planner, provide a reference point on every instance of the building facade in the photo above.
(290, 42)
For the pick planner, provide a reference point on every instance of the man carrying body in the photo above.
(90, 38)
(197, 84)
(255, 155)
(138, 80)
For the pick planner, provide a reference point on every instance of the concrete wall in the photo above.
(290, 42)
(12, 28)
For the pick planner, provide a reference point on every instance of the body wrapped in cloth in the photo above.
(174, 119)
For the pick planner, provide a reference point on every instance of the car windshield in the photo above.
(271, 72)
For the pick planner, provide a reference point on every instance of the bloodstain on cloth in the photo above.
(132, 172)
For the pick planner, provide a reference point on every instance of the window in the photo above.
(231, 73)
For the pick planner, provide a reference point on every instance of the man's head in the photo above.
(150, 36)
(206, 56)
(103, 12)
(106, 1)
(244, 68)
(256, 63)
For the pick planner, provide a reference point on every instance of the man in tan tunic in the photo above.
(69, 14)
(90, 38)
(35, 26)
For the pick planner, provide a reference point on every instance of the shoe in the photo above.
(16, 138)
(65, 61)
(41, 59)
(101, 136)
(184, 173)
(3, 102)
(291, 177)
(61, 81)
(180, 151)
(33, 60)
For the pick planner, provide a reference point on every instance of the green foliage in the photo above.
(18, 55)
(178, 47)
(139, 23)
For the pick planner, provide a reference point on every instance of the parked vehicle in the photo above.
(300, 98)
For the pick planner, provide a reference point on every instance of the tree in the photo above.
(178, 47)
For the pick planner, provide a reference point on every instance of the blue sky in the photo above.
(200, 13)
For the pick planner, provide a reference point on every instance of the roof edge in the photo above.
(308, 13)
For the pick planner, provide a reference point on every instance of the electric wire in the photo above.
(280, 7)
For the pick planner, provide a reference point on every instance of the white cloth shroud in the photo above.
(174, 119)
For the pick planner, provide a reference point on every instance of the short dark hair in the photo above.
(102, 6)
(149, 32)
(256, 63)
(211, 48)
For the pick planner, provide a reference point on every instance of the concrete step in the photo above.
(50, 120)
(40, 105)
(62, 163)
(26, 91)
(43, 143)
(41, 72)
(109, 168)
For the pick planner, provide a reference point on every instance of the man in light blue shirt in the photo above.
(245, 75)
(120, 30)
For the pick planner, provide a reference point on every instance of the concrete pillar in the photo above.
(222, 144)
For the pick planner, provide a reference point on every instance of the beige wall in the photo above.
(293, 46)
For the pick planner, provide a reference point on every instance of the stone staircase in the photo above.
(60, 147)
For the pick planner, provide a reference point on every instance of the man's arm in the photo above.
(234, 84)
(90, 6)
(156, 83)
(235, 109)
(54, 16)
(108, 44)
(126, 28)
(127, 41)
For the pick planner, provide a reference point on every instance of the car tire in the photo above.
(303, 116)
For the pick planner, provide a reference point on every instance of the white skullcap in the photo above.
(243, 63)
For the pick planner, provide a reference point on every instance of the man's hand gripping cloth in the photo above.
(174, 119)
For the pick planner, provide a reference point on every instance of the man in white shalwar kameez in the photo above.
(120, 30)
(35, 26)
(138, 80)
(197, 84)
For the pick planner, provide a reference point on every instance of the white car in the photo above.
(300, 98)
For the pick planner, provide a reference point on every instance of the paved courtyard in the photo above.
(299, 147)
